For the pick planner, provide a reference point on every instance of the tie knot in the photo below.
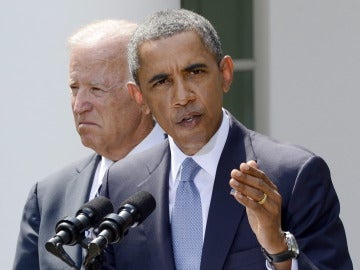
(189, 169)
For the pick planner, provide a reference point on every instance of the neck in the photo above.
(144, 128)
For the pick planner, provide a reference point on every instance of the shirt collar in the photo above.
(208, 156)
(105, 163)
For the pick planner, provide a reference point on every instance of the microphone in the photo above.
(69, 229)
(131, 213)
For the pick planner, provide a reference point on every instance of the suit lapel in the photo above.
(219, 235)
(77, 192)
(158, 232)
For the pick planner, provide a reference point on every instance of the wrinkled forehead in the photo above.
(94, 71)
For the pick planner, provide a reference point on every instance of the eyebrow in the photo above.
(158, 77)
(162, 76)
(194, 66)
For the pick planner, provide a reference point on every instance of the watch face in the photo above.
(292, 244)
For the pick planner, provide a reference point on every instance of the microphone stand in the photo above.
(95, 263)
(94, 257)
(91, 263)
(58, 251)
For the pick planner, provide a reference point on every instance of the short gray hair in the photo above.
(102, 30)
(114, 34)
(166, 23)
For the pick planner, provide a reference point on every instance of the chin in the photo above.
(191, 146)
(87, 141)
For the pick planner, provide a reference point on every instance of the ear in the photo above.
(137, 95)
(227, 71)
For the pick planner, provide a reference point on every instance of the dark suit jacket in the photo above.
(50, 200)
(310, 208)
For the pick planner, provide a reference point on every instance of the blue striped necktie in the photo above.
(186, 220)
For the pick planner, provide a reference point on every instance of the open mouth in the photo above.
(190, 121)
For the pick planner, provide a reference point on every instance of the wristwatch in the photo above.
(291, 253)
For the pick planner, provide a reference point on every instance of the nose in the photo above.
(81, 101)
(182, 93)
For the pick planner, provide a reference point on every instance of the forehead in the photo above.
(96, 55)
(96, 64)
(180, 49)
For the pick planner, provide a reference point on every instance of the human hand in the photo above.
(253, 189)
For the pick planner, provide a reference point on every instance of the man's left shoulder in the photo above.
(265, 144)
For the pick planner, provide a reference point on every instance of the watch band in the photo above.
(291, 253)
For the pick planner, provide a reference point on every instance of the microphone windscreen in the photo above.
(143, 201)
(100, 206)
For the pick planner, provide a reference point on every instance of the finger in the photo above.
(252, 183)
(251, 168)
(252, 163)
(246, 185)
(252, 204)
(254, 188)
(252, 193)
(271, 205)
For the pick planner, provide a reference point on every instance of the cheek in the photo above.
(159, 112)
(159, 106)
(215, 96)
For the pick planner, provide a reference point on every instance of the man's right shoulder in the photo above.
(70, 170)
(148, 159)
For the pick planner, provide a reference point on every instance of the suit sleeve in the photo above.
(313, 217)
(26, 256)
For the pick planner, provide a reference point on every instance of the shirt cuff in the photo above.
(294, 265)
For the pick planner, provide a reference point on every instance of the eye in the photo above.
(159, 82)
(97, 91)
(196, 71)
(162, 82)
(74, 89)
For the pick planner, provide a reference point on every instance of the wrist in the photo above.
(277, 244)
(291, 250)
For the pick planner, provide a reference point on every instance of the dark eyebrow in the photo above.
(194, 66)
(162, 76)
(158, 77)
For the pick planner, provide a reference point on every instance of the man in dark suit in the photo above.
(280, 210)
(108, 121)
